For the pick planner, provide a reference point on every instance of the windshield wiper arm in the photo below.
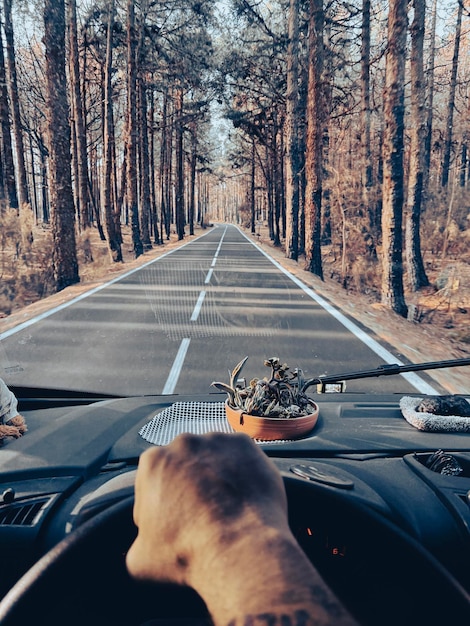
(386, 370)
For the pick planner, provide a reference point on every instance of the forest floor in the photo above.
(443, 331)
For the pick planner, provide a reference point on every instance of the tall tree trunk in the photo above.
(33, 177)
(253, 186)
(144, 164)
(132, 130)
(393, 147)
(275, 157)
(292, 135)
(73, 150)
(326, 195)
(366, 115)
(6, 152)
(2, 184)
(153, 191)
(416, 273)
(303, 91)
(192, 177)
(166, 156)
(180, 221)
(268, 174)
(123, 184)
(64, 257)
(451, 103)
(144, 169)
(116, 200)
(164, 209)
(23, 193)
(114, 242)
(463, 161)
(44, 188)
(78, 120)
(430, 101)
(313, 158)
(282, 178)
(327, 97)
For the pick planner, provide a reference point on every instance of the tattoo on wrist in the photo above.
(296, 618)
(334, 613)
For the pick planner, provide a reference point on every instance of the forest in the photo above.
(342, 127)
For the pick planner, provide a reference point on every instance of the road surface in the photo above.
(183, 320)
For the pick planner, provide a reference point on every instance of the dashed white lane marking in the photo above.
(176, 368)
(198, 307)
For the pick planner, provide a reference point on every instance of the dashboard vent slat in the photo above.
(23, 513)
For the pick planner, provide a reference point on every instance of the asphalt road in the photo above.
(184, 320)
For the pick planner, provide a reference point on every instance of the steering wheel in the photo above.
(385, 576)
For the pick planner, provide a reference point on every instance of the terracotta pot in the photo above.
(270, 428)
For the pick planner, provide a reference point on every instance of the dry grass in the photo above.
(25, 269)
(440, 328)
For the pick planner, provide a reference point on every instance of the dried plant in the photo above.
(282, 394)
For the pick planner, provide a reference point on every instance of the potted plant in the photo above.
(274, 407)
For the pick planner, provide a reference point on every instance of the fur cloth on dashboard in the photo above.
(12, 424)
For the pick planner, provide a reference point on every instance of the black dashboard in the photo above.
(361, 490)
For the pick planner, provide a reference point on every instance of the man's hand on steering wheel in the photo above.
(212, 514)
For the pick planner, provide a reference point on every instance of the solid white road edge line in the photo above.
(82, 296)
(418, 383)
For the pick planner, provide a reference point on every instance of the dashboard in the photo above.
(372, 501)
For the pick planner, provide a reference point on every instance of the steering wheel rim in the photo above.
(92, 544)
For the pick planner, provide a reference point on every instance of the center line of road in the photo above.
(178, 363)
(214, 260)
(219, 246)
(175, 372)
(197, 308)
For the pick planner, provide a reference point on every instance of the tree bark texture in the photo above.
(253, 186)
(7, 149)
(153, 166)
(451, 103)
(132, 130)
(64, 259)
(292, 135)
(144, 164)
(179, 157)
(416, 273)
(393, 148)
(144, 169)
(192, 177)
(78, 121)
(164, 206)
(430, 100)
(313, 159)
(366, 113)
(23, 193)
(114, 242)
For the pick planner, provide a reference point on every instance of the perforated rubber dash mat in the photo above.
(196, 418)
(186, 417)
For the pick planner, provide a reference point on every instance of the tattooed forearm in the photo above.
(296, 618)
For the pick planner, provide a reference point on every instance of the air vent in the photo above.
(23, 513)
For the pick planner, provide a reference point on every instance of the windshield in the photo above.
(185, 184)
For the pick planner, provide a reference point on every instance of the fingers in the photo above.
(198, 494)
